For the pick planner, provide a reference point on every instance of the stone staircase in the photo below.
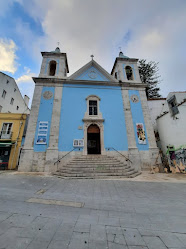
(96, 166)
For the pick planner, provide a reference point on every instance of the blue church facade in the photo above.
(90, 112)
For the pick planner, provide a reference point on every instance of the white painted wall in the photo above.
(12, 91)
(155, 107)
(172, 130)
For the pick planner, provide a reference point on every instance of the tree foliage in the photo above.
(149, 75)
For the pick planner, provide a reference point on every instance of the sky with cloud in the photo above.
(145, 29)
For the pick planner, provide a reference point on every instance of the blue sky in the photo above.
(153, 30)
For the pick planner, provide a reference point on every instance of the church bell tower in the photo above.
(54, 64)
(125, 69)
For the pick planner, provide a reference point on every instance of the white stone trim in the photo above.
(29, 140)
(128, 120)
(92, 63)
(93, 117)
(147, 119)
(55, 121)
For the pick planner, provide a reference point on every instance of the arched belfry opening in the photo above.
(129, 73)
(93, 140)
(52, 68)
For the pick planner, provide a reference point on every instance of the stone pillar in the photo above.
(147, 119)
(52, 151)
(151, 157)
(27, 154)
(128, 120)
(132, 148)
(29, 140)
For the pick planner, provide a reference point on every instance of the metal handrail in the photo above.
(64, 156)
(127, 159)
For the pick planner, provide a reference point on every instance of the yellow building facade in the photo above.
(11, 133)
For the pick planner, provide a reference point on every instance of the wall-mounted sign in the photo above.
(141, 133)
(42, 132)
(78, 143)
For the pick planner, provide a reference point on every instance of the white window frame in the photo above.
(6, 135)
(93, 98)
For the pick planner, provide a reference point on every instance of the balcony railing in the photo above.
(5, 135)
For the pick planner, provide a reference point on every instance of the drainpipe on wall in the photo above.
(21, 123)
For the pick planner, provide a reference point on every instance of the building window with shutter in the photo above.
(172, 103)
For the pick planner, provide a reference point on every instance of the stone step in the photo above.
(98, 162)
(93, 173)
(96, 166)
(99, 177)
(95, 160)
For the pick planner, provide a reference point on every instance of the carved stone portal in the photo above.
(99, 123)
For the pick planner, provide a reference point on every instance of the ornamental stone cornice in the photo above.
(93, 120)
(59, 82)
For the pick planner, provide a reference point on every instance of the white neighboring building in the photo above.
(171, 120)
(155, 108)
(11, 99)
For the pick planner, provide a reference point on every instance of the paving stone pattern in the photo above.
(116, 214)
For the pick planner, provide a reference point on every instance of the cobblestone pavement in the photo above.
(92, 214)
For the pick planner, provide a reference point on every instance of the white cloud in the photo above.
(26, 84)
(84, 27)
(8, 56)
(24, 78)
(27, 70)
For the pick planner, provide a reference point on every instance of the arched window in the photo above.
(116, 75)
(129, 73)
(52, 68)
